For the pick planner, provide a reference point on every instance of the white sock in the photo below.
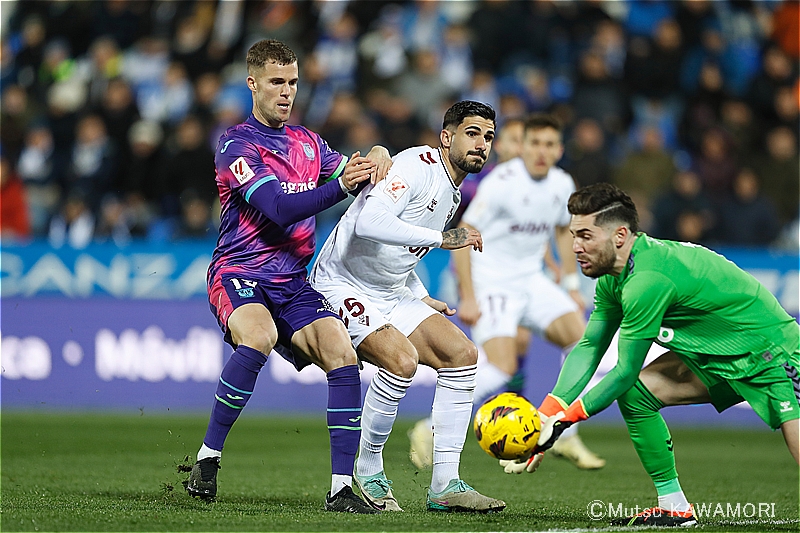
(339, 481)
(675, 501)
(206, 452)
(452, 409)
(377, 417)
(489, 381)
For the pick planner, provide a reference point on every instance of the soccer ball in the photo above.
(507, 426)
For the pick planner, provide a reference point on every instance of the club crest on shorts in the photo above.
(309, 151)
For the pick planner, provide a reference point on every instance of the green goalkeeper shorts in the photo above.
(773, 392)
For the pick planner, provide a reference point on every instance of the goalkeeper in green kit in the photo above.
(729, 340)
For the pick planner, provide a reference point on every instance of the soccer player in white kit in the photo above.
(517, 208)
(366, 271)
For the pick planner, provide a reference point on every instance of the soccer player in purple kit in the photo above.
(272, 179)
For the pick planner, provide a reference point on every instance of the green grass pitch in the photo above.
(102, 472)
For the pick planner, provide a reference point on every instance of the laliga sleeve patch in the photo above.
(396, 188)
(241, 170)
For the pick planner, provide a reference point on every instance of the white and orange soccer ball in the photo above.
(507, 426)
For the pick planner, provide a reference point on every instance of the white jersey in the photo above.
(516, 216)
(419, 191)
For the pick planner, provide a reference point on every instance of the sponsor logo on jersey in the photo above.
(241, 170)
(291, 187)
(530, 227)
(225, 146)
(432, 205)
(396, 188)
(309, 151)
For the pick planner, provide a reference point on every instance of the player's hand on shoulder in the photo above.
(439, 306)
(356, 170)
(468, 311)
(456, 238)
(382, 159)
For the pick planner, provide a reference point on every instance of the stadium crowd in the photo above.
(111, 109)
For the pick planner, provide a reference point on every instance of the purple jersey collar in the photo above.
(263, 128)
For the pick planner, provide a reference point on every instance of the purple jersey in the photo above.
(248, 156)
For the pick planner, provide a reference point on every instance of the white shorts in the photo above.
(535, 307)
(364, 314)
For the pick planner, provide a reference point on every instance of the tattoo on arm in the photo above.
(455, 237)
(385, 326)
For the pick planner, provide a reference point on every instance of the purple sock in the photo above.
(233, 390)
(344, 417)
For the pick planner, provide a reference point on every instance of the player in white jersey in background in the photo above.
(518, 207)
(366, 271)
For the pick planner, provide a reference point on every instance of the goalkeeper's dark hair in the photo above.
(610, 203)
(467, 108)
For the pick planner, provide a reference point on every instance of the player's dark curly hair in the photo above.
(611, 204)
(467, 108)
(268, 50)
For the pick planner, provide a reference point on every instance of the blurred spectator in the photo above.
(206, 90)
(345, 113)
(585, 154)
(423, 23)
(456, 58)
(653, 66)
(73, 224)
(57, 66)
(777, 72)
(169, 99)
(17, 112)
(785, 28)
(14, 225)
(93, 162)
(483, 88)
(684, 196)
(646, 171)
(112, 225)
(787, 107)
(598, 96)
(123, 20)
(190, 46)
(103, 63)
(190, 165)
(498, 30)
(693, 16)
(382, 51)
(28, 46)
(118, 110)
(747, 217)
(716, 163)
(609, 41)
(140, 176)
(424, 88)
(644, 16)
(739, 121)
(780, 168)
(702, 108)
(41, 173)
(146, 62)
(692, 227)
(64, 100)
(195, 222)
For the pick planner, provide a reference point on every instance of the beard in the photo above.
(467, 165)
(602, 264)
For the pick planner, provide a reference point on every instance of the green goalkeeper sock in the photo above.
(649, 433)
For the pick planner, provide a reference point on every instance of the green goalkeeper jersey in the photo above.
(696, 303)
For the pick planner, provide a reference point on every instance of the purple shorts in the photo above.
(293, 304)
